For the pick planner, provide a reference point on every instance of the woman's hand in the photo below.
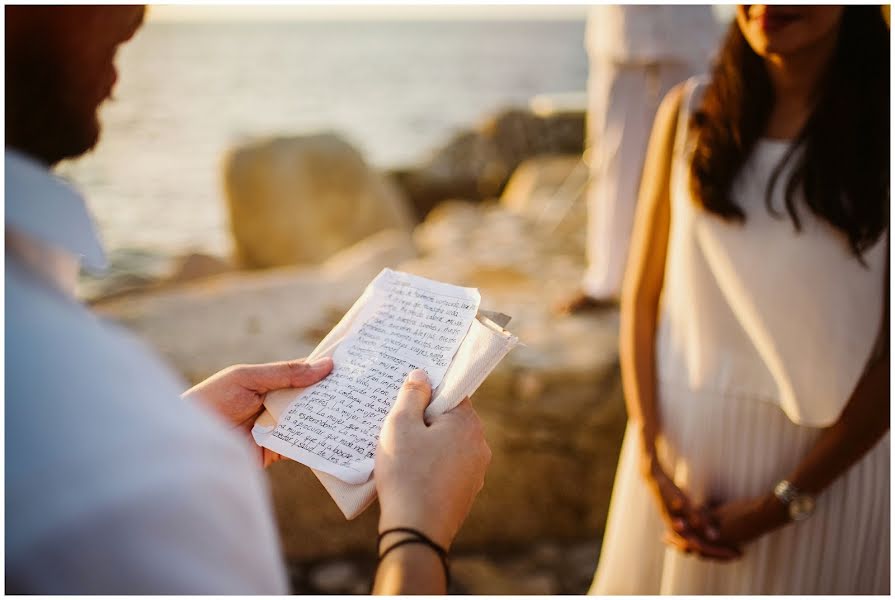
(237, 393)
(739, 522)
(689, 527)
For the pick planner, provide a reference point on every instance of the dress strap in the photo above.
(692, 93)
(693, 90)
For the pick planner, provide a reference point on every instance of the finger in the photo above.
(713, 551)
(675, 541)
(285, 374)
(696, 520)
(413, 398)
(463, 410)
(461, 417)
(710, 524)
(269, 457)
(678, 525)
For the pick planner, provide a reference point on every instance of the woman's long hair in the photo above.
(843, 169)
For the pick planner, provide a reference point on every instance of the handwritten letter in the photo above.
(405, 322)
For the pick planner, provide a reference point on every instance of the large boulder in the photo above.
(552, 191)
(299, 200)
(254, 316)
(476, 165)
(553, 410)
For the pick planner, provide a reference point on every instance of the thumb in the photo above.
(285, 374)
(413, 398)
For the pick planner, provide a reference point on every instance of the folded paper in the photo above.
(400, 322)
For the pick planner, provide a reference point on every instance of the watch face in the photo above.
(801, 507)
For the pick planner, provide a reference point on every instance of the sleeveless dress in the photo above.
(763, 334)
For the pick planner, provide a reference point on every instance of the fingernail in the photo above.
(418, 376)
(321, 363)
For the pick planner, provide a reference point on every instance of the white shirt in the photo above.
(645, 34)
(114, 484)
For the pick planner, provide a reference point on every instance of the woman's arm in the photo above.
(863, 422)
(644, 276)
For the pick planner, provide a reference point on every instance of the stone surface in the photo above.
(197, 266)
(335, 577)
(551, 190)
(476, 165)
(206, 325)
(552, 410)
(299, 200)
(517, 570)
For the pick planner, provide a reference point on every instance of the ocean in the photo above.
(396, 90)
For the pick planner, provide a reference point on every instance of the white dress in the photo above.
(636, 54)
(763, 335)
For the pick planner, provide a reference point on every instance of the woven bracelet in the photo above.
(419, 538)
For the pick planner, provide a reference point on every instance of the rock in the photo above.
(554, 404)
(252, 317)
(539, 584)
(552, 191)
(335, 577)
(583, 557)
(546, 553)
(476, 165)
(479, 575)
(552, 410)
(206, 325)
(299, 200)
(197, 266)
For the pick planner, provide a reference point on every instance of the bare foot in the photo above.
(579, 302)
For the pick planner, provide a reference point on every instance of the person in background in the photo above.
(755, 323)
(115, 484)
(636, 54)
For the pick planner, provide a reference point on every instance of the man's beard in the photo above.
(44, 115)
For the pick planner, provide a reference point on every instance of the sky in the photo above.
(168, 13)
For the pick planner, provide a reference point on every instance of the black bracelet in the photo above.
(419, 538)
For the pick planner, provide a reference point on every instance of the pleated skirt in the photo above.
(728, 447)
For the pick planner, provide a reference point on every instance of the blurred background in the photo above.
(395, 82)
(259, 166)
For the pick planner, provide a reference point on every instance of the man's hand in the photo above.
(427, 476)
(237, 393)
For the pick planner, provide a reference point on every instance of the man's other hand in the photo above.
(237, 393)
(428, 476)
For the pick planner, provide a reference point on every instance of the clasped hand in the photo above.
(713, 530)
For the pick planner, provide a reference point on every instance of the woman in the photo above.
(754, 334)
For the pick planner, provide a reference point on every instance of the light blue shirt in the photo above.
(114, 484)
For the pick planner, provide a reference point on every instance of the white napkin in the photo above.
(484, 346)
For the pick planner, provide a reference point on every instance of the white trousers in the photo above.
(622, 103)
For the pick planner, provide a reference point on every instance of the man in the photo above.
(637, 54)
(114, 483)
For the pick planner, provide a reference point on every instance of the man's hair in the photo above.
(45, 116)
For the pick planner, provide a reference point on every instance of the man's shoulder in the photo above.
(94, 416)
(62, 357)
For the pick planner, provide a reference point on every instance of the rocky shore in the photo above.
(553, 410)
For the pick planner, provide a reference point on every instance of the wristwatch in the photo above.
(799, 505)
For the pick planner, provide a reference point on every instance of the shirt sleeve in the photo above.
(194, 533)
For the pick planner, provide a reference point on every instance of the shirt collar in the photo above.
(48, 209)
